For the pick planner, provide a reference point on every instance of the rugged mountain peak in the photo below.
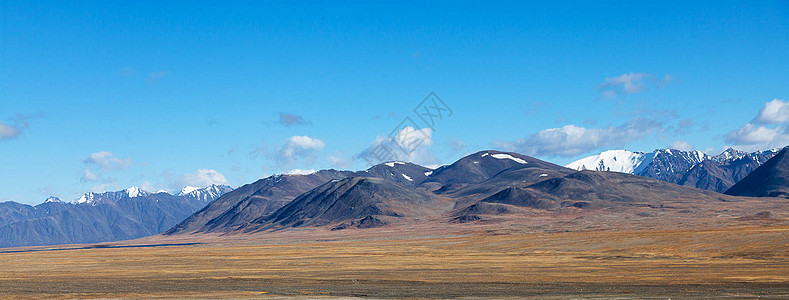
(135, 191)
(769, 180)
(483, 165)
(206, 194)
(355, 200)
(53, 199)
(730, 154)
(689, 168)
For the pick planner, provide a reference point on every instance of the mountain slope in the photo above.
(405, 173)
(265, 196)
(769, 180)
(359, 201)
(252, 201)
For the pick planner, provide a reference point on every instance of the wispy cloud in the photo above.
(8, 132)
(631, 83)
(289, 119)
(155, 76)
(457, 145)
(89, 176)
(107, 161)
(20, 122)
(339, 161)
(681, 145)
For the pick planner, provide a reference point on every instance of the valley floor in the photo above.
(747, 262)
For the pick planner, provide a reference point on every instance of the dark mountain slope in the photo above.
(584, 190)
(609, 188)
(769, 180)
(127, 218)
(357, 200)
(252, 201)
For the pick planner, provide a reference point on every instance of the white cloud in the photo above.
(296, 147)
(300, 172)
(681, 145)
(408, 144)
(631, 83)
(775, 134)
(89, 176)
(752, 137)
(571, 140)
(107, 161)
(202, 178)
(774, 112)
(8, 131)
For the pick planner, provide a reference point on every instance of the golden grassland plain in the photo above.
(749, 261)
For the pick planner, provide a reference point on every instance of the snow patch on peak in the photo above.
(507, 156)
(392, 163)
(406, 177)
(484, 154)
(612, 160)
(300, 172)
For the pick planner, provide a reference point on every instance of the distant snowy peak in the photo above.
(729, 155)
(53, 199)
(134, 192)
(613, 160)
(111, 197)
(206, 194)
(661, 161)
(187, 189)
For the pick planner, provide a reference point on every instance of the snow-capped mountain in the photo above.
(53, 199)
(690, 168)
(658, 162)
(612, 160)
(111, 197)
(206, 194)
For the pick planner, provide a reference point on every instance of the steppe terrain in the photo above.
(586, 254)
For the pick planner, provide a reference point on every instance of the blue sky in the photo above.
(105, 95)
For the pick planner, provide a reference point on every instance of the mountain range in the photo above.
(689, 168)
(485, 186)
(479, 187)
(99, 217)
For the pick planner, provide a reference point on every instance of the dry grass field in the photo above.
(738, 262)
